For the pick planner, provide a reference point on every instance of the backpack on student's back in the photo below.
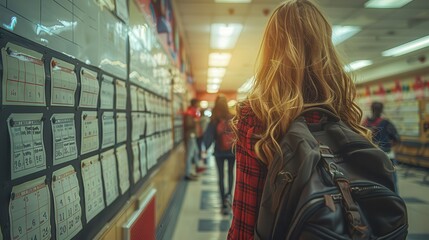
(224, 135)
(330, 183)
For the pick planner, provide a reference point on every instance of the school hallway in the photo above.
(200, 216)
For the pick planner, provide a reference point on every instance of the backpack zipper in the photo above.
(308, 208)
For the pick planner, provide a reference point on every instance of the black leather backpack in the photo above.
(330, 183)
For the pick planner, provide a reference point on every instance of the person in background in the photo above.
(384, 133)
(220, 132)
(205, 120)
(192, 130)
(298, 67)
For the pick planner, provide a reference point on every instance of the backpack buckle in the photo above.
(325, 151)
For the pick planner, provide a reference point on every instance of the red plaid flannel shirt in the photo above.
(250, 175)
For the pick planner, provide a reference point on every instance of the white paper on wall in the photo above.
(92, 186)
(108, 127)
(134, 99)
(107, 96)
(29, 210)
(89, 133)
(121, 95)
(67, 208)
(140, 99)
(121, 127)
(123, 168)
(135, 126)
(136, 162)
(89, 89)
(23, 76)
(63, 83)
(143, 159)
(64, 137)
(27, 146)
(108, 164)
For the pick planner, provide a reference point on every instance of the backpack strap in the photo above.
(329, 113)
(357, 229)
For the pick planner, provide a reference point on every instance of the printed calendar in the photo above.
(108, 164)
(141, 100)
(29, 210)
(136, 162)
(108, 128)
(89, 136)
(92, 186)
(27, 147)
(123, 168)
(107, 96)
(143, 160)
(23, 76)
(121, 95)
(68, 212)
(121, 127)
(63, 83)
(89, 88)
(136, 125)
(134, 99)
(64, 138)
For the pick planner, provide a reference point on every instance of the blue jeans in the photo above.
(220, 169)
(191, 154)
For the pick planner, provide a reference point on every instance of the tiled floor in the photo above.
(200, 216)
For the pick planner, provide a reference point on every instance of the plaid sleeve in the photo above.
(250, 175)
(250, 178)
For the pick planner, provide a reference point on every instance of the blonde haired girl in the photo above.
(297, 67)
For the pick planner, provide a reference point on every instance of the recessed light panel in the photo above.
(407, 47)
(216, 72)
(219, 59)
(357, 65)
(224, 36)
(386, 3)
(342, 33)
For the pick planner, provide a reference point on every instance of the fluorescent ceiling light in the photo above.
(233, 1)
(212, 91)
(224, 36)
(386, 3)
(219, 59)
(216, 72)
(357, 65)
(213, 86)
(214, 80)
(407, 47)
(342, 33)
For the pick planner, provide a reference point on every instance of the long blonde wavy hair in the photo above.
(298, 67)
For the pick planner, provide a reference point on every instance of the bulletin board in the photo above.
(74, 142)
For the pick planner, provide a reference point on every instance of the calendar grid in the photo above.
(29, 208)
(16, 85)
(67, 203)
(64, 84)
